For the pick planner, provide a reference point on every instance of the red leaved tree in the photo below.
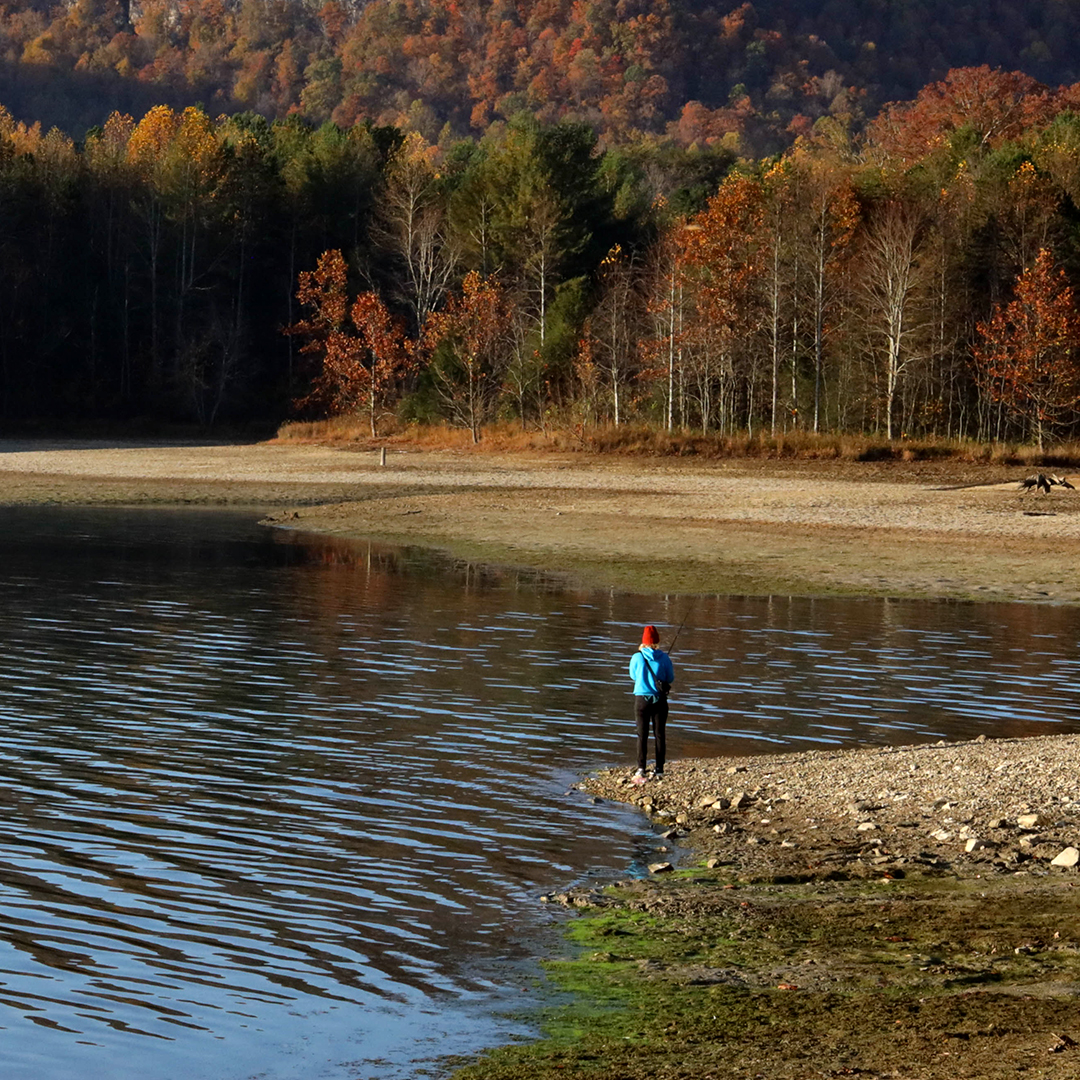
(467, 340)
(723, 256)
(1029, 350)
(362, 347)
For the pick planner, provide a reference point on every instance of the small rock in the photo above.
(712, 864)
(788, 843)
(1028, 821)
(942, 835)
(681, 819)
(1069, 857)
(740, 801)
(660, 868)
(736, 769)
(997, 823)
(976, 844)
(707, 800)
(866, 826)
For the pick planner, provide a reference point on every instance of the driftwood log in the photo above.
(1044, 482)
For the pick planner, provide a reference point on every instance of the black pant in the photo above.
(654, 712)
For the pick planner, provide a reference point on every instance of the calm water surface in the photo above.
(282, 806)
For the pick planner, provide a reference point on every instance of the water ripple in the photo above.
(262, 794)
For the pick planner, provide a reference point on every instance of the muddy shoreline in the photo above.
(901, 913)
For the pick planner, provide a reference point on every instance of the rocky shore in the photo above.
(897, 913)
(1001, 805)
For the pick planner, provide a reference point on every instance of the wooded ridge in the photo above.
(520, 242)
(692, 71)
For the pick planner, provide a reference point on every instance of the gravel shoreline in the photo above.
(989, 805)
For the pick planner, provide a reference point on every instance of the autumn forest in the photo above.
(567, 215)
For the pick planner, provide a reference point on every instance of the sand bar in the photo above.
(666, 525)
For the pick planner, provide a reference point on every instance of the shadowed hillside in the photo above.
(753, 72)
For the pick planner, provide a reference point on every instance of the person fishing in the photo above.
(653, 673)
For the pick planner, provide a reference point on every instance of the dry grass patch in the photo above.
(648, 441)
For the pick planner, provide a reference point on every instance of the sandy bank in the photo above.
(678, 526)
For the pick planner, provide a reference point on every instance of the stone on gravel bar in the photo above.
(952, 797)
(1068, 858)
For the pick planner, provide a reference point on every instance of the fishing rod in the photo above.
(679, 631)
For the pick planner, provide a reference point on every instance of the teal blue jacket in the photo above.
(649, 668)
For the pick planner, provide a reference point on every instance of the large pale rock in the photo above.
(1028, 821)
(660, 868)
(1069, 858)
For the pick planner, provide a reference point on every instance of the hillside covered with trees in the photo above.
(753, 73)
(562, 213)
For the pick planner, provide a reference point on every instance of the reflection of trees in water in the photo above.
(838, 671)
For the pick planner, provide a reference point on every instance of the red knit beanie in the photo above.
(650, 636)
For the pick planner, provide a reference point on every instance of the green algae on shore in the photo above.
(929, 977)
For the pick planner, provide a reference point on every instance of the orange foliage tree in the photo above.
(1028, 352)
(363, 349)
(467, 343)
(723, 255)
(992, 105)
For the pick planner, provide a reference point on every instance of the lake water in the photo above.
(282, 806)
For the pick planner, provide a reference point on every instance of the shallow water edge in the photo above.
(837, 956)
